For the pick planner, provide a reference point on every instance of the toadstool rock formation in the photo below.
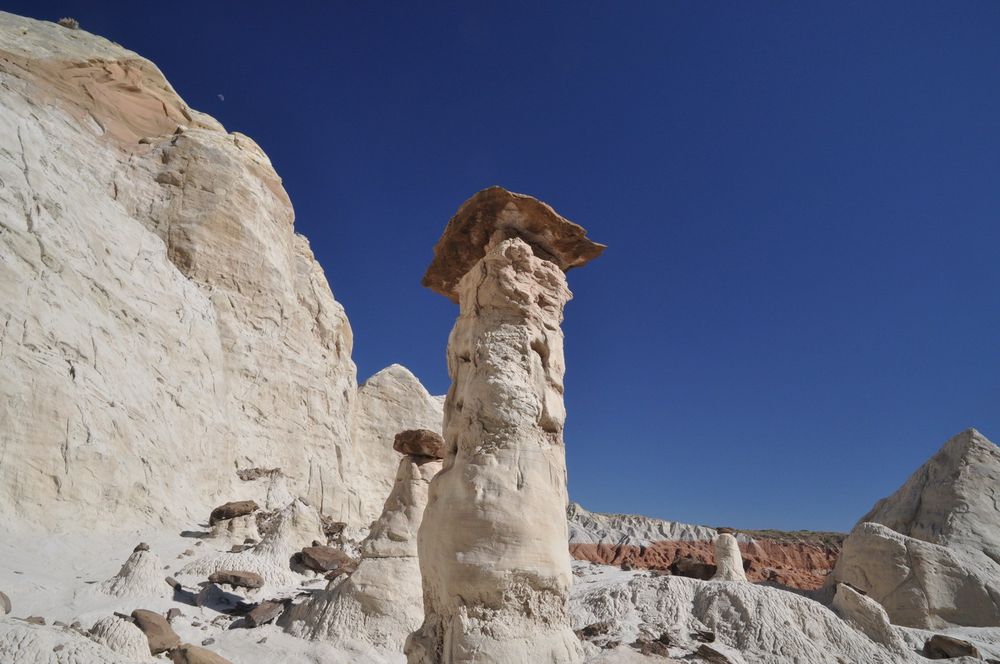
(140, 576)
(496, 574)
(380, 603)
(728, 560)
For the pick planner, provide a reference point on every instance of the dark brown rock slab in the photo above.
(189, 654)
(710, 654)
(264, 613)
(692, 568)
(551, 236)
(420, 442)
(159, 633)
(237, 578)
(325, 558)
(940, 646)
(232, 510)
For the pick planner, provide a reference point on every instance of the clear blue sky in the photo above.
(800, 300)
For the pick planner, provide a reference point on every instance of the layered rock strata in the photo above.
(496, 574)
(797, 560)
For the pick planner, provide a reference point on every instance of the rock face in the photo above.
(380, 603)
(492, 543)
(929, 552)
(157, 309)
(796, 560)
(728, 561)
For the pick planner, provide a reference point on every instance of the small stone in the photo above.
(703, 635)
(159, 633)
(59, 647)
(232, 510)
(173, 613)
(5, 606)
(207, 642)
(595, 629)
(35, 620)
(420, 442)
(237, 578)
(940, 646)
(141, 546)
(172, 582)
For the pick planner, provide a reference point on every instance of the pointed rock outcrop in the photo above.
(929, 552)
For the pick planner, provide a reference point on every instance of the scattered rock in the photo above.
(159, 633)
(710, 654)
(207, 642)
(141, 546)
(35, 620)
(940, 646)
(658, 647)
(173, 613)
(5, 606)
(420, 442)
(332, 528)
(264, 613)
(593, 630)
(692, 568)
(325, 558)
(189, 654)
(232, 510)
(172, 582)
(251, 474)
(703, 635)
(237, 578)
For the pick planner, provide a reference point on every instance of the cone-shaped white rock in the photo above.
(496, 572)
(140, 576)
(728, 559)
(381, 602)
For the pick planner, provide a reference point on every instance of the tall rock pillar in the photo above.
(492, 544)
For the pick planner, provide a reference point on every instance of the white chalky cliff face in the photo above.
(161, 323)
(496, 571)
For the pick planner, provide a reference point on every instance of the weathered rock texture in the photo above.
(728, 561)
(380, 603)
(25, 643)
(140, 576)
(493, 557)
(798, 560)
(764, 625)
(162, 326)
(121, 636)
(929, 553)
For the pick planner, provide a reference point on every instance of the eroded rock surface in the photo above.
(492, 543)
(928, 553)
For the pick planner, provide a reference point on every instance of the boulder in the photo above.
(693, 568)
(189, 654)
(420, 442)
(237, 578)
(264, 613)
(160, 635)
(941, 646)
(325, 558)
(232, 510)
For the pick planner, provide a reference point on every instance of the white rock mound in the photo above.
(929, 553)
(381, 602)
(140, 576)
(24, 643)
(121, 636)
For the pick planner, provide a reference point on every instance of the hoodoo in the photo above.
(495, 570)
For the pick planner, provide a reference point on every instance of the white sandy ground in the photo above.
(56, 576)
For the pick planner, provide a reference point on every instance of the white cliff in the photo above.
(162, 326)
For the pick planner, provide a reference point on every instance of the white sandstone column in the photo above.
(728, 559)
(492, 544)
